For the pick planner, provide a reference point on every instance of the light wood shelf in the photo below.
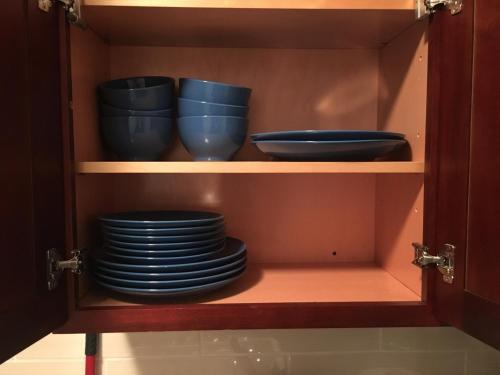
(295, 283)
(261, 167)
(250, 23)
(262, 4)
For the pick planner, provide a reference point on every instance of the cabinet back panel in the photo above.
(290, 218)
(292, 89)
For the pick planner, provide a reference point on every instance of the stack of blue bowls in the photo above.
(137, 116)
(212, 119)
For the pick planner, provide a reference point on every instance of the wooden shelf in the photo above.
(250, 23)
(293, 283)
(262, 4)
(262, 167)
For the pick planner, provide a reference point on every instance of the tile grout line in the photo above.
(466, 362)
(289, 364)
(380, 339)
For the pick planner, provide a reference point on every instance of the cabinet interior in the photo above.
(333, 237)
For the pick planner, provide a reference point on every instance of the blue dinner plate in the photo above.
(167, 253)
(164, 239)
(160, 260)
(161, 219)
(325, 135)
(170, 292)
(233, 250)
(163, 231)
(199, 281)
(168, 275)
(329, 150)
(164, 246)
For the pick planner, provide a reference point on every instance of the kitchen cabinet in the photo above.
(329, 243)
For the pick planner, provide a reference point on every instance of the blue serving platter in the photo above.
(233, 250)
(325, 135)
(160, 260)
(170, 292)
(363, 150)
(168, 275)
(199, 281)
(161, 219)
(163, 231)
(164, 246)
(164, 239)
(183, 252)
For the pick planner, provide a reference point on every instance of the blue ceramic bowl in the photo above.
(139, 93)
(213, 92)
(137, 138)
(212, 138)
(109, 111)
(189, 107)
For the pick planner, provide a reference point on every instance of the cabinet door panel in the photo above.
(483, 250)
(465, 86)
(449, 102)
(32, 216)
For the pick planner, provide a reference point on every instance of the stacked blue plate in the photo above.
(166, 253)
(334, 145)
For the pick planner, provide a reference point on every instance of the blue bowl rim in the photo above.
(104, 104)
(209, 116)
(168, 81)
(180, 98)
(169, 119)
(215, 83)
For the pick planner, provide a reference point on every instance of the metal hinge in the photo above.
(444, 261)
(425, 7)
(72, 7)
(56, 266)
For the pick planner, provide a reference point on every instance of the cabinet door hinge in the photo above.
(444, 261)
(56, 266)
(425, 7)
(72, 7)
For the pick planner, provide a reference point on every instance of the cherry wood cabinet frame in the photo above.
(27, 315)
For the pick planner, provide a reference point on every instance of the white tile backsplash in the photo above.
(428, 339)
(246, 365)
(54, 367)
(483, 363)
(381, 363)
(372, 351)
(289, 341)
(150, 344)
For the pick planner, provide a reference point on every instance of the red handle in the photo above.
(90, 365)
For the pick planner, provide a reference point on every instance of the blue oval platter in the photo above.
(170, 292)
(161, 260)
(325, 135)
(233, 250)
(329, 150)
(171, 283)
(127, 275)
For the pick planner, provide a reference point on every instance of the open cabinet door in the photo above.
(464, 115)
(32, 192)
(482, 284)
